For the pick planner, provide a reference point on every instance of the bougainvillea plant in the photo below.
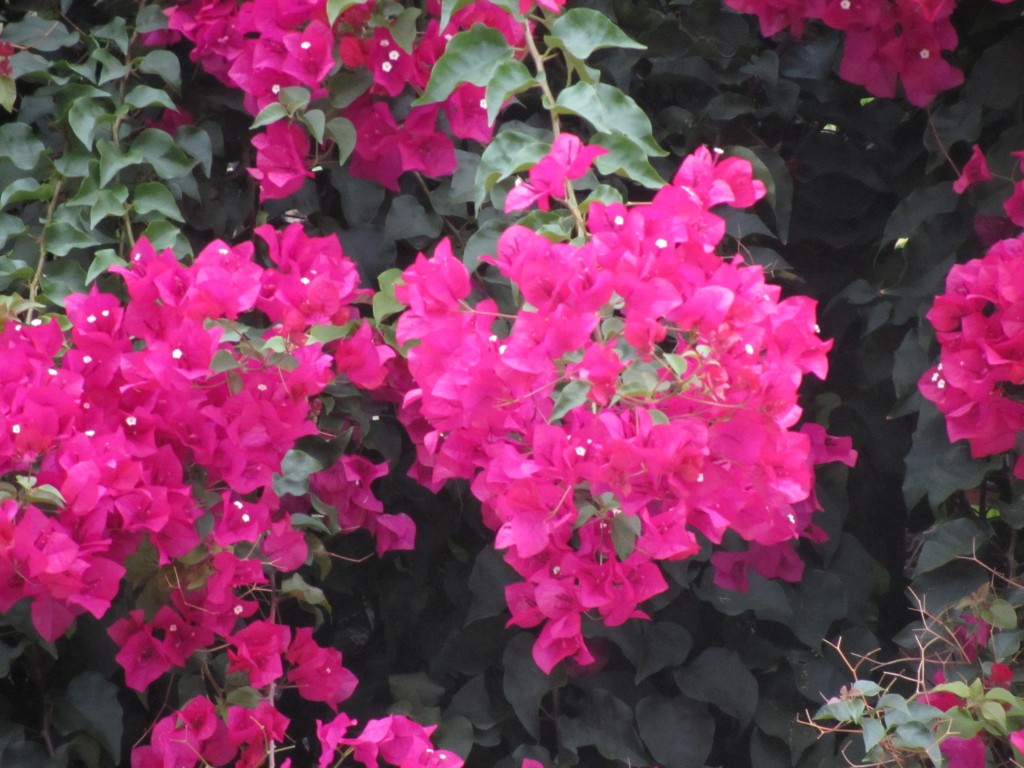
(278, 488)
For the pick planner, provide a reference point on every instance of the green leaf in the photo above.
(509, 152)
(609, 110)
(664, 644)
(581, 31)
(162, 64)
(116, 31)
(471, 56)
(40, 34)
(606, 724)
(271, 113)
(91, 705)
(159, 150)
(20, 190)
(625, 529)
(949, 540)
(246, 696)
(111, 67)
(62, 237)
(113, 160)
(509, 78)
(196, 142)
(572, 395)
(626, 158)
(109, 202)
(19, 144)
(84, 116)
(295, 586)
(525, 684)
(315, 121)
(918, 207)
(296, 467)
(718, 676)
(403, 28)
(341, 131)
(337, 7)
(384, 302)
(408, 219)
(103, 260)
(8, 92)
(154, 197)
(873, 733)
(679, 732)
(1001, 615)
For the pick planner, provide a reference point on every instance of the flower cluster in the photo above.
(887, 41)
(263, 47)
(158, 427)
(978, 323)
(643, 395)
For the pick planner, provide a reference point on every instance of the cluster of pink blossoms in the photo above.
(644, 393)
(264, 46)
(141, 420)
(979, 323)
(887, 41)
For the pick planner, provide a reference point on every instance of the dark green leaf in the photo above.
(609, 110)
(19, 145)
(605, 723)
(154, 197)
(664, 644)
(525, 684)
(572, 395)
(581, 31)
(679, 732)
(471, 56)
(162, 64)
(719, 677)
(91, 705)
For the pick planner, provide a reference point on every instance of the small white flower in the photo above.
(90, 433)
(581, 451)
(383, 43)
(261, 387)
(223, 251)
(700, 477)
(749, 349)
(555, 570)
(502, 348)
(661, 242)
(137, 257)
(394, 56)
(791, 518)
(16, 429)
(941, 385)
(238, 610)
(925, 53)
(87, 359)
(172, 628)
(619, 221)
(176, 354)
(304, 280)
(131, 421)
(105, 313)
(305, 45)
(845, 5)
(36, 323)
(91, 319)
(245, 517)
(483, 103)
(386, 66)
(275, 89)
(52, 371)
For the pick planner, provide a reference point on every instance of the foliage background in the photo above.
(861, 216)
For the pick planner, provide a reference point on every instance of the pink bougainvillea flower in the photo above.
(282, 160)
(974, 171)
(569, 158)
(964, 753)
